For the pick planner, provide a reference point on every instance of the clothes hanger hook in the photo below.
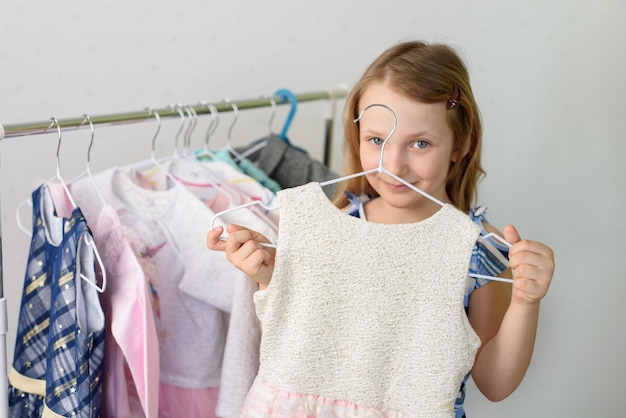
(393, 130)
(215, 121)
(232, 124)
(179, 108)
(193, 117)
(55, 121)
(285, 95)
(88, 119)
(158, 119)
(88, 169)
(185, 112)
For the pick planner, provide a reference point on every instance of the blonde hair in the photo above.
(429, 73)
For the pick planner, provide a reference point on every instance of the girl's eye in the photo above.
(421, 144)
(376, 141)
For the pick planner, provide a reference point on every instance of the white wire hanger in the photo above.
(219, 184)
(215, 119)
(86, 237)
(380, 169)
(87, 171)
(229, 137)
(57, 177)
(157, 163)
(263, 143)
(248, 204)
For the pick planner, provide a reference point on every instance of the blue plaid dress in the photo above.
(27, 377)
(75, 366)
(59, 350)
(489, 258)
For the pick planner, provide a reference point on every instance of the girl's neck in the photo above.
(378, 211)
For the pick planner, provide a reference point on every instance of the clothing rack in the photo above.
(16, 130)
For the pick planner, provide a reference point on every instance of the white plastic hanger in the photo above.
(382, 169)
(88, 240)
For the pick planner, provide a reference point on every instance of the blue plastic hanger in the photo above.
(286, 94)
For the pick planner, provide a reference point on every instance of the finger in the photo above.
(532, 281)
(511, 234)
(233, 229)
(249, 258)
(239, 246)
(213, 241)
(259, 268)
(536, 247)
(256, 259)
(520, 246)
(533, 253)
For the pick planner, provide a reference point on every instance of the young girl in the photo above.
(378, 316)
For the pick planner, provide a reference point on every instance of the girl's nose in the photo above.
(394, 160)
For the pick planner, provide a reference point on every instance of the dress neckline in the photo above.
(333, 210)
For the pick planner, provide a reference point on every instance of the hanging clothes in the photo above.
(198, 178)
(75, 368)
(196, 332)
(240, 362)
(158, 272)
(248, 167)
(131, 349)
(290, 167)
(360, 322)
(27, 375)
(59, 353)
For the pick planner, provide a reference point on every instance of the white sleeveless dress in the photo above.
(363, 319)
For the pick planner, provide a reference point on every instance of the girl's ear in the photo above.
(454, 155)
(459, 153)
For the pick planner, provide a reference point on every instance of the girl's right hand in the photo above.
(244, 251)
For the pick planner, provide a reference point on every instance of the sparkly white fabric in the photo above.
(364, 314)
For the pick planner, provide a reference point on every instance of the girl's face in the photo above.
(420, 152)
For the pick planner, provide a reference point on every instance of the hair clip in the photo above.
(454, 100)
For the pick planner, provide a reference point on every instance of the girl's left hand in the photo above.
(532, 264)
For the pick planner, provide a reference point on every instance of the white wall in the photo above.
(548, 77)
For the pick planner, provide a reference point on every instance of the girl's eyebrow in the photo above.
(427, 134)
(373, 132)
